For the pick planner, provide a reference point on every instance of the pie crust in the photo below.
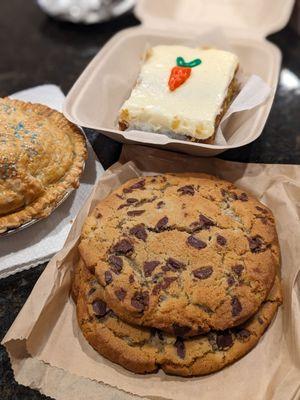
(42, 156)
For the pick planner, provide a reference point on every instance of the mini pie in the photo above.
(182, 91)
(183, 254)
(144, 350)
(42, 156)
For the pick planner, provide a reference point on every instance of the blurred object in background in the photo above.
(295, 20)
(86, 11)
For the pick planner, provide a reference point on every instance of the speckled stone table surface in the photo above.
(36, 49)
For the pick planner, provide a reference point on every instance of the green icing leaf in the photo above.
(181, 63)
(194, 63)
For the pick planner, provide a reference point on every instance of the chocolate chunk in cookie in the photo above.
(116, 263)
(243, 197)
(124, 246)
(256, 244)
(236, 306)
(140, 300)
(121, 294)
(230, 280)
(108, 277)
(221, 240)
(238, 269)
(167, 281)
(203, 272)
(139, 232)
(135, 213)
(187, 190)
(173, 264)
(99, 308)
(180, 330)
(132, 200)
(162, 223)
(224, 340)
(242, 335)
(163, 283)
(137, 185)
(149, 267)
(204, 222)
(196, 243)
(180, 347)
(160, 204)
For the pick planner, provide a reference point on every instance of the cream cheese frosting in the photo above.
(192, 108)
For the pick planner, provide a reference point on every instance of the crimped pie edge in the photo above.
(45, 204)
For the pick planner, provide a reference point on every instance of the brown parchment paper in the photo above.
(48, 351)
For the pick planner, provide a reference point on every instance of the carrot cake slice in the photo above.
(181, 91)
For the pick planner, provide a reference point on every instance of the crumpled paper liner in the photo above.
(48, 351)
(253, 93)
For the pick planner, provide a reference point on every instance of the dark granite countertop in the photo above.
(36, 49)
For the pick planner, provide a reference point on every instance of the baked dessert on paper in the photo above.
(144, 350)
(42, 156)
(181, 91)
(182, 254)
(177, 272)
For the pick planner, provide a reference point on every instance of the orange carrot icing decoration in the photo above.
(181, 72)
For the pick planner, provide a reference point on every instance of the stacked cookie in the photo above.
(178, 273)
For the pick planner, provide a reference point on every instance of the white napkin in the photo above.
(39, 242)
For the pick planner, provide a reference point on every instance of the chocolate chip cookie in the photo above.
(182, 254)
(144, 350)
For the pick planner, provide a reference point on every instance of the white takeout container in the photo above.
(97, 95)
